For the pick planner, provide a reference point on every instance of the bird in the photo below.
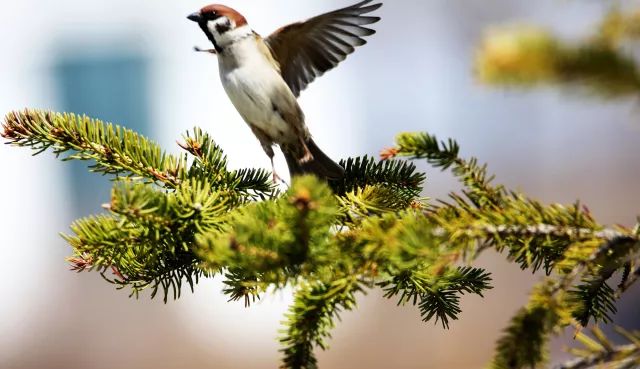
(263, 77)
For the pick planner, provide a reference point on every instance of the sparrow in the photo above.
(263, 77)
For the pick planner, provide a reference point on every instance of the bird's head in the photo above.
(222, 24)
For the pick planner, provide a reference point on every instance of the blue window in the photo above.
(112, 87)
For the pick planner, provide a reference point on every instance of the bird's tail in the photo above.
(320, 164)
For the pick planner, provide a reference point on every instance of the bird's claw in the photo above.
(277, 179)
(199, 50)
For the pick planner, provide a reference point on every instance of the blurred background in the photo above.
(132, 63)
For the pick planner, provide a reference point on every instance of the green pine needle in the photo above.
(175, 219)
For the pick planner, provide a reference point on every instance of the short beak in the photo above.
(196, 17)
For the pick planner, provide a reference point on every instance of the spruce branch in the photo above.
(594, 260)
(110, 247)
(372, 200)
(333, 240)
(243, 285)
(312, 316)
(534, 234)
(524, 340)
(125, 153)
(399, 176)
(566, 239)
(527, 56)
(593, 297)
(445, 155)
(114, 149)
(631, 278)
(600, 352)
(276, 236)
(148, 237)
(437, 295)
(211, 164)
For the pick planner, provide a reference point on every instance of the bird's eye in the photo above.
(210, 15)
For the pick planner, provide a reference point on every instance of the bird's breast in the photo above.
(258, 91)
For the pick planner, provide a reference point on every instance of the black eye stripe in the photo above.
(210, 16)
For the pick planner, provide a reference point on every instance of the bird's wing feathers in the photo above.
(306, 50)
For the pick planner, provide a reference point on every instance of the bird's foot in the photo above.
(199, 50)
(277, 179)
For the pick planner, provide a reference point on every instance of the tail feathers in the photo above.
(320, 165)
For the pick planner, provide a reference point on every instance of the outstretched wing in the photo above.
(306, 50)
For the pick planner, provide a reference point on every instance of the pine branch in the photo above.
(444, 155)
(312, 316)
(114, 149)
(437, 295)
(122, 152)
(276, 236)
(523, 343)
(594, 299)
(599, 351)
(535, 235)
(399, 176)
(596, 261)
(332, 240)
(149, 237)
(371, 201)
(211, 164)
(193, 207)
(556, 237)
(440, 154)
(528, 56)
(240, 285)
(627, 282)
(106, 245)
(548, 230)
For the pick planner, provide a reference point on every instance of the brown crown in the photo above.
(225, 11)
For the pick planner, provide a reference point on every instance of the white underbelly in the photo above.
(250, 89)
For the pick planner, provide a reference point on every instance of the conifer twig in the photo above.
(114, 149)
(603, 358)
(599, 351)
(331, 240)
(630, 280)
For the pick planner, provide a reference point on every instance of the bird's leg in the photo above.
(267, 146)
(199, 50)
(270, 154)
(276, 177)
